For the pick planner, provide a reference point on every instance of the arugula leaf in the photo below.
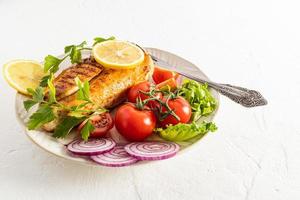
(199, 97)
(44, 81)
(43, 115)
(83, 90)
(183, 132)
(52, 90)
(100, 39)
(86, 130)
(66, 125)
(51, 63)
(37, 97)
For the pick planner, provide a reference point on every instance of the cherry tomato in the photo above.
(181, 108)
(134, 124)
(134, 93)
(161, 75)
(102, 124)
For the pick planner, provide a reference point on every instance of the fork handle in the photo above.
(240, 95)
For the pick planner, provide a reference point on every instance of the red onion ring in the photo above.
(117, 157)
(91, 147)
(152, 150)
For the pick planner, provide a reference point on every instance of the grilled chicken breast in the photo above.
(64, 83)
(107, 89)
(110, 87)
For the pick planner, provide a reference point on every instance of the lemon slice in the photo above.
(118, 54)
(23, 74)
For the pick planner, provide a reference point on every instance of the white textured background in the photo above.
(255, 153)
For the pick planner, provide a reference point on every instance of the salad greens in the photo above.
(199, 97)
(182, 132)
(202, 104)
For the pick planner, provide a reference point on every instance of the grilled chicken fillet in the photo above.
(109, 88)
(65, 84)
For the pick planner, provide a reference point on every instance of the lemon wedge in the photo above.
(118, 54)
(23, 74)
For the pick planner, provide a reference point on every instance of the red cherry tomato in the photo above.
(181, 108)
(161, 75)
(102, 124)
(134, 124)
(134, 93)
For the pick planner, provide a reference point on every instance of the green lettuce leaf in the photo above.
(199, 97)
(183, 132)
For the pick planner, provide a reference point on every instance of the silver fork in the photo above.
(240, 95)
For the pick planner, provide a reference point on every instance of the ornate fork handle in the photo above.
(240, 95)
(243, 96)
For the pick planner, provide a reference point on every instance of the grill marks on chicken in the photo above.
(65, 84)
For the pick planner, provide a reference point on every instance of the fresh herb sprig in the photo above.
(38, 95)
(51, 63)
(86, 130)
(101, 39)
(49, 110)
(44, 113)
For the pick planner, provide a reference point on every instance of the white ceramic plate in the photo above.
(57, 146)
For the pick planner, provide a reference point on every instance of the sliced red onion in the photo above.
(91, 147)
(117, 157)
(152, 150)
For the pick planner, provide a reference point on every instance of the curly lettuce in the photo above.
(199, 97)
